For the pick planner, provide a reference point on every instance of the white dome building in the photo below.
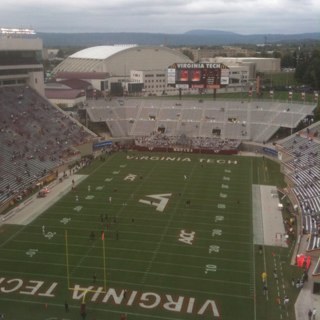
(107, 65)
(121, 59)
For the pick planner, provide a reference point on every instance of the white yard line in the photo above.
(164, 233)
(253, 250)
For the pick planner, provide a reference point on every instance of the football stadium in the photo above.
(164, 208)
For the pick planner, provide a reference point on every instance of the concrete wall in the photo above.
(16, 44)
(69, 103)
(262, 64)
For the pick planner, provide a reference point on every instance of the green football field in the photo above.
(177, 244)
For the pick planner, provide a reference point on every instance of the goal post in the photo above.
(86, 290)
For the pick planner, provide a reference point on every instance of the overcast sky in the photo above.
(163, 16)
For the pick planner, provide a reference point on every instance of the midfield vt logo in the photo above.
(161, 200)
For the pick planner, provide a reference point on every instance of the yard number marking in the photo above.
(49, 235)
(130, 177)
(216, 232)
(31, 252)
(65, 220)
(77, 208)
(210, 268)
(218, 218)
(214, 248)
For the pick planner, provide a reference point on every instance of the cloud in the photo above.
(163, 16)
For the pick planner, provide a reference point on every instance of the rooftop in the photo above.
(100, 52)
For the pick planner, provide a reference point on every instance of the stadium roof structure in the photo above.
(66, 94)
(68, 84)
(76, 84)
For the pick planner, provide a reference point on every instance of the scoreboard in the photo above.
(198, 75)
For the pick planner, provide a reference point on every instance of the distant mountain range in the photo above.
(190, 38)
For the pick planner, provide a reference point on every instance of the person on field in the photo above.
(314, 313)
(66, 306)
(264, 276)
(265, 289)
(275, 275)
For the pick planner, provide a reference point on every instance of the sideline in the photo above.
(34, 206)
(267, 218)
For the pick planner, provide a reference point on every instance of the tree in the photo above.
(60, 54)
(308, 69)
(288, 61)
(188, 53)
(277, 54)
